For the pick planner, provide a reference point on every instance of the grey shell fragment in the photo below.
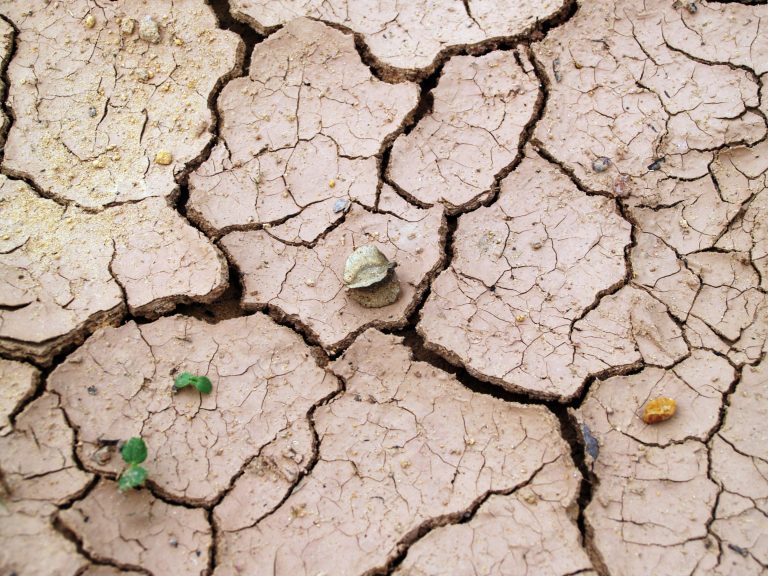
(366, 266)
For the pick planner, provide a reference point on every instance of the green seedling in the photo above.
(202, 383)
(134, 452)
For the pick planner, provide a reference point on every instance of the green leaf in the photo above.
(201, 383)
(183, 380)
(134, 451)
(132, 477)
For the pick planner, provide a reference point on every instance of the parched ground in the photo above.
(575, 193)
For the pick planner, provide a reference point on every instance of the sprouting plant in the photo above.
(202, 383)
(134, 452)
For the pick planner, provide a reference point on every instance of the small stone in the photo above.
(590, 442)
(92, 111)
(601, 164)
(519, 318)
(149, 31)
(556, 69)
(340, 205)
(621, 186)
(127, 26)
(656, 164)
(103, 455)
(691, 7)
(659, 410)
(143, 74)
(90, 21)
(332, 184)
(163, 157)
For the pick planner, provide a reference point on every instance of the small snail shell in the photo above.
(365, 267)
(370, 278)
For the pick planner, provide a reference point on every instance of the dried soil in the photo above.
(574, 194)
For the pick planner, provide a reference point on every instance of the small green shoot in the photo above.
(202, 383)
(134, 452)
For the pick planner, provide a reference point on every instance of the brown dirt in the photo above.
(574, 193)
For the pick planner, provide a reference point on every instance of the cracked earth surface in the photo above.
(574, 193)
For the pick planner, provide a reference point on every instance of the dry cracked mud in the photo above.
(574, 194)
(406, 37)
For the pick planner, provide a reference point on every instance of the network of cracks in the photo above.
(575, 195)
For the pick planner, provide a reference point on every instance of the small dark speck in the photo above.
(174, 543)
(667, 94)
(692, 8)
(656, 164)
(738, 549)
(198, 553)
(92, 390)
(91, 111)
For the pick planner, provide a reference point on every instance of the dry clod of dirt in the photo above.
(739, 170)
(38, 463)
(18, 382)
(657, 268)
(654, 498)
(407, 35)
(31, 545)
(136, 530)
(527, 532)
(730, 297)
(406, 447)
(542, 253)
(740, 467)
(119, 384)
(66, 271)
(655, 503)
(481, 107)
(147, 96)
(306, 285)
(627, 94)
(722, 32)
(297, 135)
(38, 472)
